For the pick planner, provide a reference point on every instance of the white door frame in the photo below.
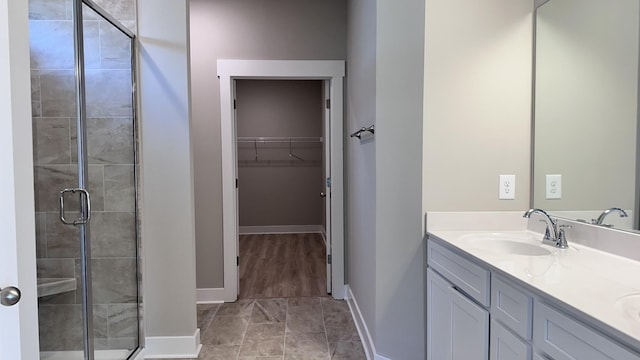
(19, 330)
(230, 70)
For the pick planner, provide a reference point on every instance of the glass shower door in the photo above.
(84, 138)
(111, 163)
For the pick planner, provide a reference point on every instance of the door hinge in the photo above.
(236, 183)
(237, 260)
(235, 105)
(329, 259)
(328, 103)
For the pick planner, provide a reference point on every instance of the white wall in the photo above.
(168, 236)
(586, 103)
(477, 103)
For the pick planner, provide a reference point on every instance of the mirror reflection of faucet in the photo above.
(600, 220)
(554, 235)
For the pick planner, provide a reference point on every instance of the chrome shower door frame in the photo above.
(83, 168)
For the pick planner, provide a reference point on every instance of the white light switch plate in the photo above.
(507, 187)
(554, 187)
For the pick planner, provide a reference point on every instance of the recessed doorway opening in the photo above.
(247, 152)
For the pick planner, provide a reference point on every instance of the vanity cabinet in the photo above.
(459, 328)
(476, 313)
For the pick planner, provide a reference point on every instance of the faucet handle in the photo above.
(562, 237)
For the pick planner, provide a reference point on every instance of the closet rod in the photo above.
(280, 139)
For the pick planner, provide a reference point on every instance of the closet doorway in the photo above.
(281, 188)
(282, 178)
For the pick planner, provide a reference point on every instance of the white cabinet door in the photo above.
(457, 328)
(507, 346)
(564, 338)
(19, 323)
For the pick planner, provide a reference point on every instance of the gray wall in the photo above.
(275, 189)
(400, 326)
(361, 157)
(252, 29)
(385, 174)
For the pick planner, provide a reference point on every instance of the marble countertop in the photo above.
(593, 282)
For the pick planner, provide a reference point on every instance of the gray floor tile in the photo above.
(283, 329)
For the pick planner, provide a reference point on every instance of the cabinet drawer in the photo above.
(467, 276)
(563, 338)
(512, 307)
(506, 346)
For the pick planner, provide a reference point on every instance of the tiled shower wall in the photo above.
(111, 146)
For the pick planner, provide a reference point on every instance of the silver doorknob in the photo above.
(323, 195)
(10, 296)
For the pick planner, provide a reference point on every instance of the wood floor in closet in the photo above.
(282, 265)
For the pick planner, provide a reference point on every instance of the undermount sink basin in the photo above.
(512, 244)
(630, 305)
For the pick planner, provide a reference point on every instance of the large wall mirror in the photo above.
(586, 110)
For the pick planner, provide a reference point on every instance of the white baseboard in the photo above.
(210, 296)
(361, 326)
(171, 347)
(280, 229)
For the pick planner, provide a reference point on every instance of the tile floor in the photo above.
(284, 328)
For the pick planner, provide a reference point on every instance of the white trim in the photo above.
(361, 326)
(280, 229)
(230, 70)
(170, 347)
(210, 296)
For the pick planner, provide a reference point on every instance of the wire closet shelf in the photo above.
(280, 151)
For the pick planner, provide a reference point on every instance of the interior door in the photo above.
(19, 330)
(327, 172)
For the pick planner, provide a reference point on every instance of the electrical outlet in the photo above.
(554, 187)
(507, 187)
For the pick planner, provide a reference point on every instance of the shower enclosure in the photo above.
(84, 142)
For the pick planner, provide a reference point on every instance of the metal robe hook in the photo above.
(358, 134)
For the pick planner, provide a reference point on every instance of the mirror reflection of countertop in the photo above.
(603, 286)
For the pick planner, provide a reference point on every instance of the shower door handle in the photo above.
(85, 214)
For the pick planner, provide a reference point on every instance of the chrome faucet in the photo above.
(600, 219)
(552, 234)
